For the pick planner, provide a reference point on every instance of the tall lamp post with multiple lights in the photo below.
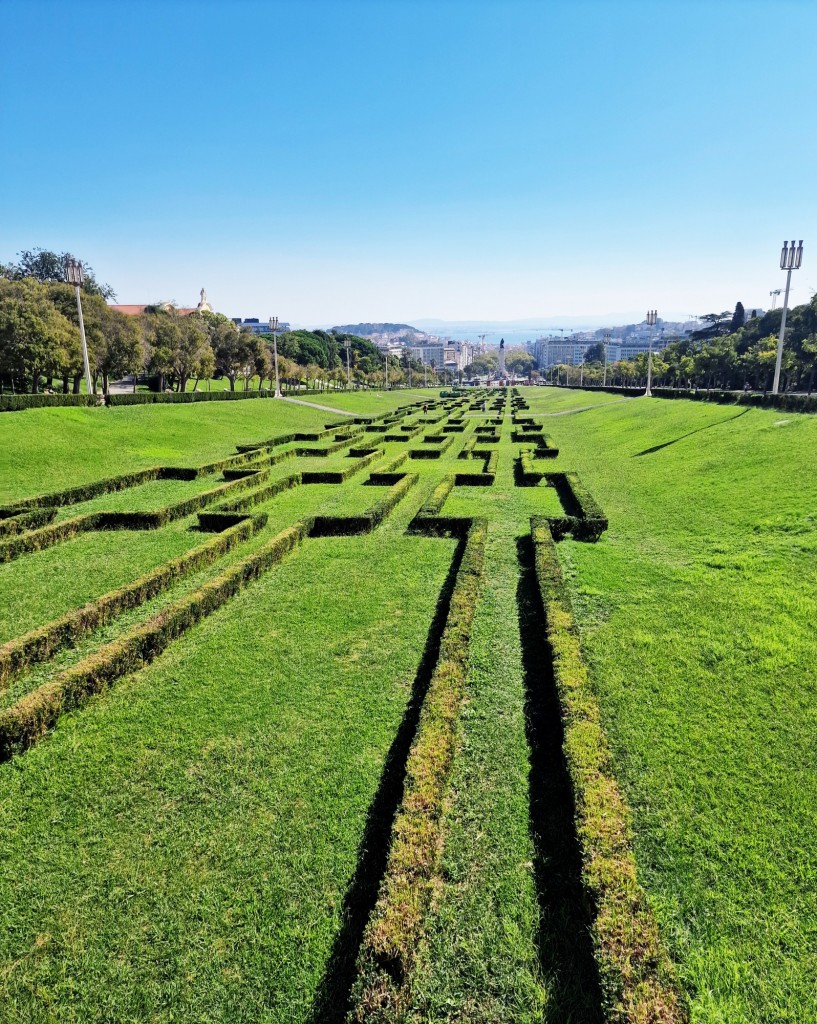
(273, 326)
(652, 316)
(348, 366)
(386, 368)
(606, 343)
(75, 276)
(791, 256)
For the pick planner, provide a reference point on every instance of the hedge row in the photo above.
(637, 978)
(585, 518)
(23, 521)
(387, 953)
(40, 644)
(544, 447)
(433, 451)
(183, 398)
(529, 475)
(387, 473)
(405, 433)
(256, 497)
(57, 533)
(25, 722)
(341, 475)
(16, 403)
(346, 526)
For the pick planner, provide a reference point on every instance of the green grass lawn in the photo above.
(43, 450)
(185, 846)
(698, 611)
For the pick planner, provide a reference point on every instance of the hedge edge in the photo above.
(387, 953)
(40, 644)
(366, 522)
(23, 724)
(637, 976)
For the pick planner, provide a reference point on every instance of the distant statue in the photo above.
(203, 303)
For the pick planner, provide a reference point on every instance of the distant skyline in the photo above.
(372, 160)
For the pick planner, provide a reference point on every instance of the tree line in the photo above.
(730, 351)
(40, 345)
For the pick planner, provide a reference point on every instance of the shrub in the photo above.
(42, 643)
(386, 955)
(637, 978)
(23, 724)
(345, 526)
(17, 403)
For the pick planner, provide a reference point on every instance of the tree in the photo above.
(594, 353)
(235, 351)
(519, 362)
(47, 267)
(191, 355)
(717, 324)
(35, 338)
(738, 319)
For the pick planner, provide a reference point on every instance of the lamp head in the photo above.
(73, 273)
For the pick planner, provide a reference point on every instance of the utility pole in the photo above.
(273, 326)
(652, 316)
(791, 257)
(74, 275)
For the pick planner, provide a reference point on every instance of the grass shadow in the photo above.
(709, 426)
(564, 940)
(331, 1002)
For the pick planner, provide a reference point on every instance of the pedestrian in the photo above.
(425, 408)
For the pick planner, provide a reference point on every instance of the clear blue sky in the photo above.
(344, 161)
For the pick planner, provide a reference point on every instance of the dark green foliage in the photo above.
(16, 403)
(183, 398)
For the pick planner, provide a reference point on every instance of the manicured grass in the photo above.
(368, 403)
(196, 828)
(41, 586)
(191, 845)
(43, 450)
(698, 612)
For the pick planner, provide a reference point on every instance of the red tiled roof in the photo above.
(133, 310)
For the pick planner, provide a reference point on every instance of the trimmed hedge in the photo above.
(341, 475)
(253, 498)
(584, 517)
(23, 521)
(387, 954)
(24, 723)
(637, 977)
(529, 475)
(434, 450)
(387, 472)
(40, 644)
(183, 398)
(17, 403)
(366, 522)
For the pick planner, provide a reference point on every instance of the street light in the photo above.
(75, 276)
(386, 368)
(775, 293)
(652, 316)
(606, 343)
(791, 257)
(348, 366)
(273, 326)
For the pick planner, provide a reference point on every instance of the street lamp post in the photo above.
(75, 276)
(348, 366)
(652, 316)
(791, 257)
(386, 368)
(273, 324)
(425, 373)
(606, 343)
(774, 296)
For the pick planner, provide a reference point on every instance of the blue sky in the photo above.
(401, 159)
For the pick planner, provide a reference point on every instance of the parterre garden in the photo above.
(314, 717)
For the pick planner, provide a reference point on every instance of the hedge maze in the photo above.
(261, 505)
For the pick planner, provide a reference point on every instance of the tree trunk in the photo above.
(104, 382)
(77, 379)
(94, 380)
(65, 383)
(231, 378)
(183, 378)
(35, 383)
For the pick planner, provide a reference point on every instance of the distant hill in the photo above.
(368, 330)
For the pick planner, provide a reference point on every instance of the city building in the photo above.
(258, 326)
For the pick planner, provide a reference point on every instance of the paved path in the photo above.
(326, 408)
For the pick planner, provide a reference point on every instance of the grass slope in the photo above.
(195, 829)
(698, 612)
